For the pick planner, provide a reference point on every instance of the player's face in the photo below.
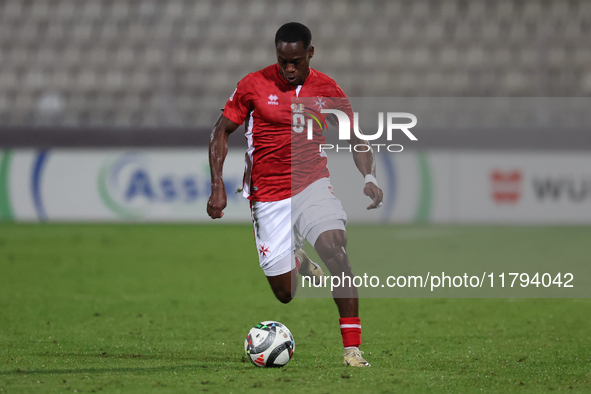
(294, 61)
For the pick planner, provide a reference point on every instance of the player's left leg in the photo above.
(320, 218)
(331, 246)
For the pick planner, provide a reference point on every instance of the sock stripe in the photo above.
(350, 325)
(350, 331)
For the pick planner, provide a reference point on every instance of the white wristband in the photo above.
(372, 179)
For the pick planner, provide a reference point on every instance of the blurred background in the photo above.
(168, 63)
(106, 108)
(111, 78)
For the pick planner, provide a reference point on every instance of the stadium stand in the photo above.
(148, 63)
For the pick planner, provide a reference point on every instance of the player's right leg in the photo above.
(282, 285)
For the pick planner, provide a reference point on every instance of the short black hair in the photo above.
(294, 32)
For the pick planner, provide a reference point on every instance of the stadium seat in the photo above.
(106, 57)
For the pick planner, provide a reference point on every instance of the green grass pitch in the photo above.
(165, 308)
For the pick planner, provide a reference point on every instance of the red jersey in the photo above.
(263, 99)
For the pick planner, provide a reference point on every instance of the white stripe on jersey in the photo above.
(248, 158)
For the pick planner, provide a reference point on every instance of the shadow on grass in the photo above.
(167, 357)
(175, 368)
(201, 363)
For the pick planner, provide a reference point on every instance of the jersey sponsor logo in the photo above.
(273, 100)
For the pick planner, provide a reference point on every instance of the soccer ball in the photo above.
(269, 344)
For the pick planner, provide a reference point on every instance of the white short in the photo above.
(280, 227)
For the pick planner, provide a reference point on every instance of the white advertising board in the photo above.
(173, 186)
(116, 185)
(551, 188)
(470, 187)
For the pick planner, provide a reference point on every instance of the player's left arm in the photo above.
(365, 162)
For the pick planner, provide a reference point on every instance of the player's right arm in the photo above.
(235, 112)
(218, 150)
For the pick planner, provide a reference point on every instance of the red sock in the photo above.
(298, 264)
(351, 331)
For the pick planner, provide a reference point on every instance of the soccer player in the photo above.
(285, 209)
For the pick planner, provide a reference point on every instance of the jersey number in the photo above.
(297, 123)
